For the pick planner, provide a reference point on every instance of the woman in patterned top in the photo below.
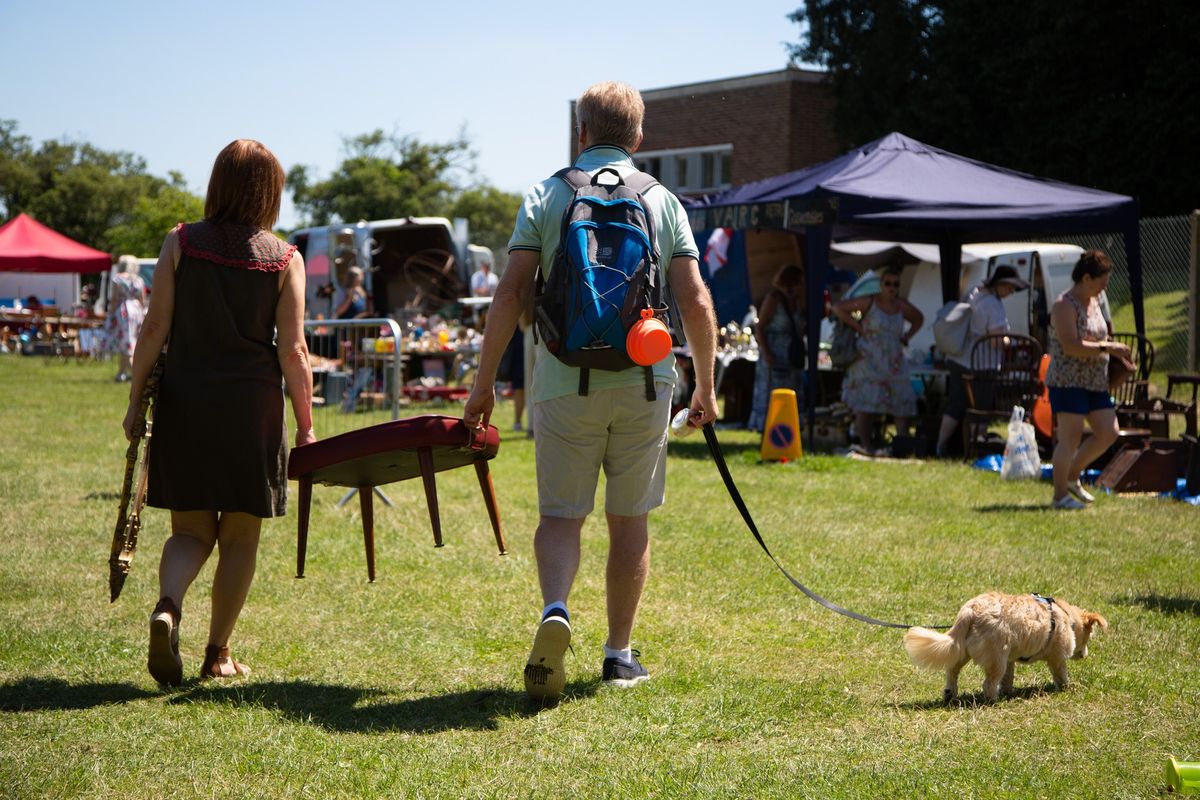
(126, 311)
(1078, 378)
(780, 322)
(231, 295)
(878, 382)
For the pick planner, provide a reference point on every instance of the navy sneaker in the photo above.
(623, 674)
(545, 675)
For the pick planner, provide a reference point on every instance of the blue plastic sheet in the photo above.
(995, 462)
(1180, 493)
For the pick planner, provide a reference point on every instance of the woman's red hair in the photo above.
(246, 186)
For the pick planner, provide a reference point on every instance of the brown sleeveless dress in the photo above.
(219, 440)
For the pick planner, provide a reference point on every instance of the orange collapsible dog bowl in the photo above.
(648, 341)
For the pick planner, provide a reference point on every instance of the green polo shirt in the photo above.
(538, 228)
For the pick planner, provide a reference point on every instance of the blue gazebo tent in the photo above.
(899, 189)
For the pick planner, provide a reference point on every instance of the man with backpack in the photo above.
(624, 254)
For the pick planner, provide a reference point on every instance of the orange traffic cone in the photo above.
(781, 435)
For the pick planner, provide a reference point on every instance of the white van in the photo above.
(1046, 266)
(408, 262)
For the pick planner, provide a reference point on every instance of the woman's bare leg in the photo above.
(1103, 423)
(193, 534)
(862, 426)
(1068, 429)
(237, 557)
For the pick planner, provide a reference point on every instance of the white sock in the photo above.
(559, 605)
(624, 655)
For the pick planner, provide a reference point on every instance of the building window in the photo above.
(690, 170)
(708, 169)
(652, 166)
(681, 171)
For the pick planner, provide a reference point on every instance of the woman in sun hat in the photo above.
(987, 317)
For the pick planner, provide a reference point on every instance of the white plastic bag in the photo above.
(1021, 459)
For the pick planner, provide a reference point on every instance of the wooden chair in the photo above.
(1134, 392)
(388, 452)
(1135, 406)
(1004, 373)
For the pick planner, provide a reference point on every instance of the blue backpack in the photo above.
(604, 272)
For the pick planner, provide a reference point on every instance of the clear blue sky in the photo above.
(175, 82)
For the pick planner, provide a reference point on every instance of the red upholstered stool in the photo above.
(389, 452)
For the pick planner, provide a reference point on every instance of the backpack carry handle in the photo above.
(596, 178)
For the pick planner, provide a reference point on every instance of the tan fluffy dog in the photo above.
(997, 630)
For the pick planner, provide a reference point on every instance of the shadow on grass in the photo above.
(351, 709)
(1165, 605)
(694, 447)
(1007, 507)
(53, 694)
(977, 700)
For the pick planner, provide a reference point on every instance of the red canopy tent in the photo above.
(27, 245)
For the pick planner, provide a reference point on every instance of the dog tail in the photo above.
(932, 650)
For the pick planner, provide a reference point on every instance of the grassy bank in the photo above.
(410, 687)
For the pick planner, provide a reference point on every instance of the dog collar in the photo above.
(1049, 603)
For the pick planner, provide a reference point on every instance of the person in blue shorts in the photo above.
(1077, 378)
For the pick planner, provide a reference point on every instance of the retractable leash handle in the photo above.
(710, 437)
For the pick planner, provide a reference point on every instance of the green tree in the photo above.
(489, 213)
(383, 176)
(153, 215)
(875, 52)
(1090, 93)
(18, 178)
(82, 191)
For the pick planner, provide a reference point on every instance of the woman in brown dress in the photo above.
(229, 303)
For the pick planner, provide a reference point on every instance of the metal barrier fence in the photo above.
(1168, 266)
(357, 373)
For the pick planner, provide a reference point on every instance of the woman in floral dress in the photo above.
(878, 381)
(126, 312)
(780, 321)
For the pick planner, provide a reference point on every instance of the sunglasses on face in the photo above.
(892, 284)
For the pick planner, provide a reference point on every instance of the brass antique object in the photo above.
(133, 488)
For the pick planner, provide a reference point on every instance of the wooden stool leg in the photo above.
(489, 499)
(366, 504)
(302, 523)
(425, 459)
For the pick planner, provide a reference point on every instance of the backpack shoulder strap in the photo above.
(573, 177)
(641, 182)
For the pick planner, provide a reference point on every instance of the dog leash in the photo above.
(710, 438)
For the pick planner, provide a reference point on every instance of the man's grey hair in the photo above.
(612, 112)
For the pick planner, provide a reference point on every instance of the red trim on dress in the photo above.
(261, 265)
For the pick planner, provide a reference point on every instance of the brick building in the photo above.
(706, 136)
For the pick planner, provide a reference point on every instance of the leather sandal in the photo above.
(163, 661)
(219, 664)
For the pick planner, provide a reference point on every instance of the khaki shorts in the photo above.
(617, 429)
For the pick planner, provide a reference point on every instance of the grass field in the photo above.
(411, 687)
